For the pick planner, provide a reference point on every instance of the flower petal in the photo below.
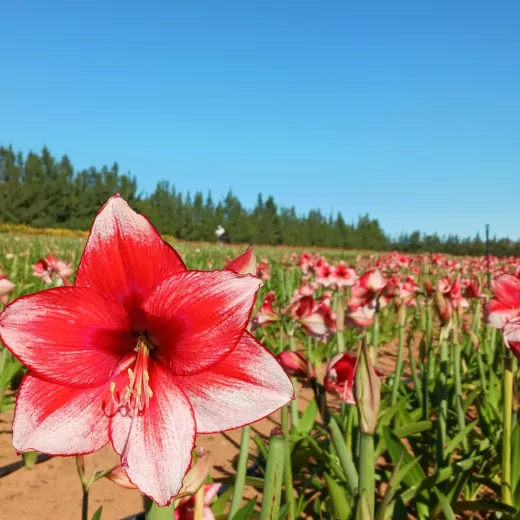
(243, 264)
(196, 318)
(125, 258)
(507, 290)
(68, 335)
(156, 446)
(59, 420)
(497, 313)
(246, 386)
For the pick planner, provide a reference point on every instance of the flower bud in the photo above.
(367, 393)
(294, 364)
(118, 476)
(444, 308)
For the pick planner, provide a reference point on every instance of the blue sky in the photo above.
(409, 111)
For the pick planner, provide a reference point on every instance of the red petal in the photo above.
(243, 264)
(196, 318)
(125, 258)
(156, 447)
(59, 420)
(497, 313)
(246, 386)
(507, 290)
(67, 335)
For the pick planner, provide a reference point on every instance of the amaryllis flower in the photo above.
(317, 318)
(6, 287)
(266, 314)
(140, 352)
(367, 288)
(186, 508)
(472, 289)
(263, 272)
(362, 316)
(344, 276)
(51, 268)
(324, 275)
(408, 291)
(339, 377)
(503, 311)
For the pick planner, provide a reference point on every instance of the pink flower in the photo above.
(140, 352)
(5, 288)
(344, 276)
(362, 316)
(317, 318)
(324, 275)
(503, 311)
(366, 289)
(51, 268)
(408, 291)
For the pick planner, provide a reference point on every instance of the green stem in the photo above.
(443, 402)
(240, 477)
(273, 477)
(366, 470)
(375, 338)
(458, 392)
(506, 439)
(288, 478)
(398, 367)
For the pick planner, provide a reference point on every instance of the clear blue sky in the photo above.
(407, 110)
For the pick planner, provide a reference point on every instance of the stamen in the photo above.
(137, 393)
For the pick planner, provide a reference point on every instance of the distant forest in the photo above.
(41, 191)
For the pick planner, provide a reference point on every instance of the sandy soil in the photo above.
(51, 490)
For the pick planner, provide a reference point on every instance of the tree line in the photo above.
(42, 191)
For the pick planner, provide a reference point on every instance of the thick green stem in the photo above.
(240, 477)
(288, 478)
(366, 470)
(506, 438)
(375, 338)
(443, 402)
(461, 419)
(273, 477)
(398, 366)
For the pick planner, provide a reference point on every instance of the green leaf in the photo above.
(245, 513)
(483, 505)
(338, 496)
(459, 438)
(308, 418)
(219, 505)
(97, 514)
(397, 452)
(445, 505)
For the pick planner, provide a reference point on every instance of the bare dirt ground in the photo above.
(51, 490)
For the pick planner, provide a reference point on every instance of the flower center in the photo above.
(136, 395)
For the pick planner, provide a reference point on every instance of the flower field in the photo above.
(222, 382)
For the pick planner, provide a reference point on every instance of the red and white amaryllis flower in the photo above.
(140, 352)
(6, 287)
(51, 268)
(344, 276)
(316, 317)
(339, 377)
(503, 311)
(266, 314)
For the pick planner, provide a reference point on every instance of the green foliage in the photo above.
(41, 191)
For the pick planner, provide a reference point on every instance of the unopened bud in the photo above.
(340, 315)
(444, 308)
(294, 364)
(401, 316)
(118, 476)
(367, 393)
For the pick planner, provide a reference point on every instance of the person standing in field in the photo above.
(222, 236)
